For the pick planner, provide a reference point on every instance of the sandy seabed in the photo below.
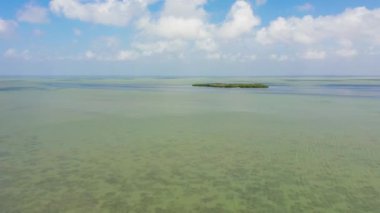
(160, 145)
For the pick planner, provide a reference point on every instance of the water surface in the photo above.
(159, 145)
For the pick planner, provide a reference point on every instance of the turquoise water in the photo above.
(111, 144)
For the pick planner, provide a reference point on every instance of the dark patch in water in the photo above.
(68, 85)
(347, 90)
(4, 154)
(354, 86)
(332, 80)
(4, 138)
(10, 89)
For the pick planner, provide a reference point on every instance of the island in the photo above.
(232, 85)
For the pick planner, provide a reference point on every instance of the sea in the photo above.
(157, 144)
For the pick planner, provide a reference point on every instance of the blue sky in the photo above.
(189, 37)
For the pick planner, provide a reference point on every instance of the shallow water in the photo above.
(160, 145)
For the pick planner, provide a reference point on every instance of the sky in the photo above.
(190, 37)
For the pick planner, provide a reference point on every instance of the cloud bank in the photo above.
(183, 30)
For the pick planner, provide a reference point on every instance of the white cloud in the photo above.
(177, 27)
(305, 7)
(184, 23)
(180, 19)
(89, 54)
(240, 20)
(261, 2)
(16, 54)
(347, 52)
(121, 55)
(185, 8)
(357, 25)
(9, 53)
(280, 58)
(33, 14)
(159, 47)
(288, 31)
(231, 57)
(7, 27)
(182, 29)
(107, 12)
(314, 55)
(208, 45)
(239, 57)
(126, 55)
(107, 48)
(181, 26)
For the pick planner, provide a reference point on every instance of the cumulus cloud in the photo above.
(184, 19)
(185, 8)
(314, 55)
(33, 14)
(182, 29)
(346, 49)
(184, 23)
(106, 12)
(284, 31)
(187, 19)
(359, 24)
(177, 27)
(181, 26)
(7, 27)
(240, 20)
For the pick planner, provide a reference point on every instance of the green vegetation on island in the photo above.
(232, 85)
